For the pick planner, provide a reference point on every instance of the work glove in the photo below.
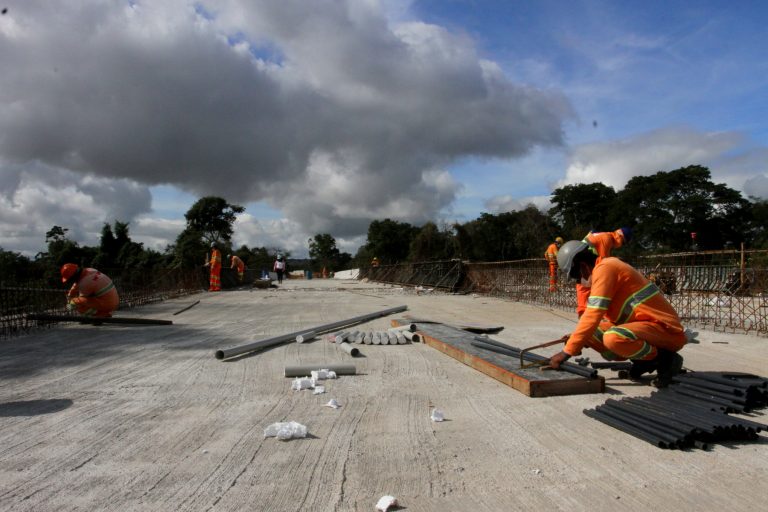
(556, 360)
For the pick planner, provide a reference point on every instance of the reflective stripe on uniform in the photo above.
(634, 300)
(622, 332)
(597, 302)
(644, 351)
(104, 290)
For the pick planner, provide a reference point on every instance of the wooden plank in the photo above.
(530, 381)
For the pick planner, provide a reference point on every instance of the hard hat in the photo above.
(567, 252)
(627, 232)
(67, 271)
(279, 256)
(213, 245)
(229, 256)
(559, 240)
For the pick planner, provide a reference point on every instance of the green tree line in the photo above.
(663, 210)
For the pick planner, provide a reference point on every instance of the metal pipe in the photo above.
(349, 349)
(306, 336)
(277, 340)
(100, 320)
(307, 369)
(341, 337)
(512, 352)
(664, 421)
(701, 383)
(625, 427)
(650, 424)
(188, 307)
(406, 327)
(412, 336)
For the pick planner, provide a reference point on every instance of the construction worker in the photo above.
(375, 262)
(601, 244)
(214, 262)
(627, 317)
(279, 268)
(236, 262)
(551, 256)
(91, 293)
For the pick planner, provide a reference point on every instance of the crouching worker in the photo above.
(627, 317)
(91, 293)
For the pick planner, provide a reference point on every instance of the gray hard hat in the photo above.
(567, 252)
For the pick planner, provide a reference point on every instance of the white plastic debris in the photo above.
(318, 390)
(300, 383)
(285, 431)
(333, 403)
(323, 374)
(437, 415)
(536, 471)
(691, 336)
(385, 502)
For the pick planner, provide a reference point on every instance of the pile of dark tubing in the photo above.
(692, 412)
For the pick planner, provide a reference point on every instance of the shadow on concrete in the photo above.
(34, 407)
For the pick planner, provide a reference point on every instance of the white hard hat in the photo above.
(567, 252)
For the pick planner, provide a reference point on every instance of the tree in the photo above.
(209, 221)
(432, 244)
(323, 250)
(213, 217)
(666, 207)
(389, 240)
(581, 208)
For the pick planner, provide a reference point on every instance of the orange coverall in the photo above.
(600, 244)
(94, 294)
(215, 262)
(629, 313)
(551, 256)
(237, 262)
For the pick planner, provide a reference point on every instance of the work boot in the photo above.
(639, 368)
(670, 365)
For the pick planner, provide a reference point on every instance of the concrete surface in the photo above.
(145, 418)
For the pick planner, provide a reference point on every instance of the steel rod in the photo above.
(277, 340)
(94, 320)
(512, 352)
(188, 307)
(307, 369)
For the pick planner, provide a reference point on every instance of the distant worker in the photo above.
(279, 268)
(375, 262)
(91, 293)
(601, 244)
(214, 262)
(236, 262)
(627, 317)
(551, 256)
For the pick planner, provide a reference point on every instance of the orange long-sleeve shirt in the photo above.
(237, 263)
(551, 253)
(622, 295)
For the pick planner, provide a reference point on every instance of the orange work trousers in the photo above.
(552, 276)
(215, 282)
(100, 307)
(634, 340)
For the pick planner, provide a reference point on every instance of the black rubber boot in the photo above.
(670, 365)
(639, 368)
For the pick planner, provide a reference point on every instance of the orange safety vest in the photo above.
(622, 295)
(551, 254)
(237, 262)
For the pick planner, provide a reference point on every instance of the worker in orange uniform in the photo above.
(214, 262)
(551, 256)
(601, 244)
(627, 317)
(91, 292)
(236, 262)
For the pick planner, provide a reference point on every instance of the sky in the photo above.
(320, 116)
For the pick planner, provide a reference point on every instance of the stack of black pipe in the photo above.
(692, 412)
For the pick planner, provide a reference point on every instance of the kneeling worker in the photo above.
(627, 317)
(91, 293)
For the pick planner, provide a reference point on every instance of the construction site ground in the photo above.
(134, 417)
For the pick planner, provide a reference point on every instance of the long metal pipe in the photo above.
(307, 369)
(277, 340)
(513, 352)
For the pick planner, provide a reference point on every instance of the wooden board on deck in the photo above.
(530, 381)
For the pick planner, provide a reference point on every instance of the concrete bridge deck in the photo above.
(145, 418)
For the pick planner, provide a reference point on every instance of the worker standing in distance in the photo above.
(236, 262)
(279, 268)
(551, 256)
(627, 317)
(91, 292)
(601, 244)
(214, 262)
(375, 262)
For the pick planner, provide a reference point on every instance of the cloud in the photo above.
(327, 110)
(506, 203)
(616, 162)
